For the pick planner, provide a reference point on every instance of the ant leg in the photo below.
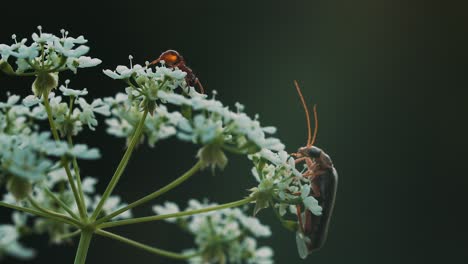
(202, 90)
(155, 61)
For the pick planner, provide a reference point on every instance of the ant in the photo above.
(323, 176)
(173, 59)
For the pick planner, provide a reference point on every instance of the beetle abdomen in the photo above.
(317, 226)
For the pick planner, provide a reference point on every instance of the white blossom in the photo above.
(88, 110)
(167, 208)
(70, 92)
(226, 235)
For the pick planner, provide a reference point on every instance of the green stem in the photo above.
(83, 246)
(80, 206)
(69, 235)
(65, 218)
(176, 215)
(76, 194)
(150, 249)
(60, 202)
(155, 194)
(50, 117)
(123, 163)
(76, 168)
(36, 213)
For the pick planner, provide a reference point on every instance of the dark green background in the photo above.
(389, 78)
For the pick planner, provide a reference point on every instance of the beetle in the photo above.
(173, 59)
(313, 230)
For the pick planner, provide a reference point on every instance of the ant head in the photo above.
(310, 138)
(171, 57)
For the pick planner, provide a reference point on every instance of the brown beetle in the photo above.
(173, 59)
(323, 176)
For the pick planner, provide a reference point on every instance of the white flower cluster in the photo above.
(56, 183)
(26, 154)
(10, 235)
(236, 128)
(281, 184)
(68, 118)
(196, 119)
(225, 236)
(29, 155)
(125, 116)
(46, 53)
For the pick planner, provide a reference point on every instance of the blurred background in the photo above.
(389, 78)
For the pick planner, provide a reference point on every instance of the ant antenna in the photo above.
(310, 139)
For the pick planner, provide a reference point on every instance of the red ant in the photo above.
(324, 179)
(173, 59)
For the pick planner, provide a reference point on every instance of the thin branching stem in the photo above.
(65, 218)
(155, 194)
(64, 161)
(176, 215)
(157, 251)
(76, 168)
(38, 213)
(60, 202)
(122, 165)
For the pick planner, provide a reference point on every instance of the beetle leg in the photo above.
(300, 160)
(315, 190)
(310, 164)
(296, 155)
(299, 217)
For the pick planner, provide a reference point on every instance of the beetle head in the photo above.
(311, 152)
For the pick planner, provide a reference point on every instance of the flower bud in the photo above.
(6, 67)
(263, 195)
(290, 225)
(152, 91)
(44, 83)
(186, 111)
(19, 187)
(212, 156)
(140, 80)
(66, 128)
(148, 104)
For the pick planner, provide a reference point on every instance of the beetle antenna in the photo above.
(311, 143)
(309, 129)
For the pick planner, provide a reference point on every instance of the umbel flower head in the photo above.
(45, 57)
(26, 155)
(281, 185)
(197, 119)
(225, 236)
(46, 53)
(10, 236)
